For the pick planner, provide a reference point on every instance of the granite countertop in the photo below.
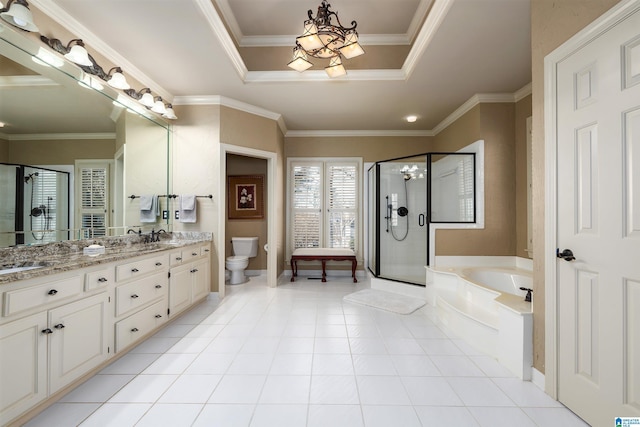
(53, 258)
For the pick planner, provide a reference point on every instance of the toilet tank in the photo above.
(245, 246)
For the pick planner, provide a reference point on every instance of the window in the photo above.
(324, 203)
(94, 198)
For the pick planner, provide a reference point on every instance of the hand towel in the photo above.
(149, 208)
(188, 206)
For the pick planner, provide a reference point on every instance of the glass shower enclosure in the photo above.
(406, 197)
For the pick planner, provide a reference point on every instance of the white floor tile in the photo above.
(334, 416)
(291, 389)
(555, 416)
(210, 364)
(279, 416)
(291, 364)
(381, 390)
(431, 391)
(457, 366)
(373, 364)
(295, 345)
(205, 331)
(174, 330)
(440, 347)
(97, 389)
(238, 389)
(170, 415)
(445, 416)
(479, 392)
(331, 345)
(331, 331)
(525, 393)
(331, 389)
(503, 417)
(191, 389)
(131, 363)
(358, 319)
(332, 364)
(63, 414)
(144, 389)
(331, 319)
(115, 415)
(491, 367)
(403, 346)
(301, 330)
(260, 345)
(385, 416)
(251, 364)
(227, 415)
(367, 346)
(170, 364)
(369, 330)
(190, 345)
(225, 345)
(414, 365)
(155, 345)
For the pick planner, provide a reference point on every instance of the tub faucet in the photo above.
(132, 231)
(527, 297)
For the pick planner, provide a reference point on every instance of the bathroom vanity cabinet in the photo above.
(56, 329)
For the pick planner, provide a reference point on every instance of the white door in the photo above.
(598, 219)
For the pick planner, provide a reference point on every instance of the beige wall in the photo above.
(196, 162)
(523, 111)
(241, 165)
(4, 151)
(552, 23)
(57, 152)
(370, 148)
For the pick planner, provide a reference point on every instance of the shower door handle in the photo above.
(422, 220)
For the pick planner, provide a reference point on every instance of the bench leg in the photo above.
(294, 270)
(354, 264)
(324, 273)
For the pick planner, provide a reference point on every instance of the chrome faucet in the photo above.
(132, 231)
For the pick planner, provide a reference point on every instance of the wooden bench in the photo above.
(323, 255)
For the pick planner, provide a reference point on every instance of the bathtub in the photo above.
(485, 307)
(504, 280)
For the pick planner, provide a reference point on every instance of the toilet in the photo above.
(243, 249)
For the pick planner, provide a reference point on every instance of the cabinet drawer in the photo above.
(141, 267)
(175, 258)
(140, 292)
(205, 250)
(46, 293)
(138, 325)
(98, 279)
(189, 254)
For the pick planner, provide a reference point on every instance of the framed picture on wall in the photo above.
(245, 196)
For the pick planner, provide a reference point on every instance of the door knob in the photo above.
(566, 254)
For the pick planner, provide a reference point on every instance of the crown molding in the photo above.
(55, 12)
(58, 136)
(418, 18)
(522, 92)
(355, 133)
(321, 76)
(229, 18)
(434, 19)
(471, 103)
(232, 103)
(214, 20)
(26, 81)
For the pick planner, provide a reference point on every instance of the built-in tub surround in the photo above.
(26, 262)
(484, 306)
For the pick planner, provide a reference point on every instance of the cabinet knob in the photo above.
(206, 250)
(194, 270)
(158, 316)
(134, 270)
(194, 253)
(178, 258)
(134, 329)
(52, 292)
(158, 264)
(158, 286)
(134, 296)
(47, 331)
(59, 326)
(102, 279)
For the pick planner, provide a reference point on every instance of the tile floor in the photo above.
(297, 355)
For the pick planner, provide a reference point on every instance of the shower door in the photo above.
(402, 228)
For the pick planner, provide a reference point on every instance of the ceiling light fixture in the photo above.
(170, 114)
(324, 40)
(158, 106)
(143, 96)
(17, 13)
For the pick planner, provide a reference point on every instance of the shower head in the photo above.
(30, 177)
(407, 176)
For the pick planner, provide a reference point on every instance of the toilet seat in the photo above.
(237, 258)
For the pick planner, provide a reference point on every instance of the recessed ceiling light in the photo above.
(2, 124)
(411, 119)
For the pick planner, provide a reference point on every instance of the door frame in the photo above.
(602, 24)
(272, 241)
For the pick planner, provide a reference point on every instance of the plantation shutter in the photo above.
(94, 199)
(324, 204)
(307, 205)
(466, 189)
(342, 205)
(45, 196)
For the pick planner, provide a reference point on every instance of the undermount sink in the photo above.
(22, 266)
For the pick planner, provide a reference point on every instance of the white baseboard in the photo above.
(537, 378)
(253, 273)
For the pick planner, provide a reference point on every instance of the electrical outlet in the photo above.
(165, 214)
(177, 215)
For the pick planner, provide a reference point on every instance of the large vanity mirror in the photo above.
(74, 160)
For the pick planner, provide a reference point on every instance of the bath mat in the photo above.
(385, 301)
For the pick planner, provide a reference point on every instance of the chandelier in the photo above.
(325, 40)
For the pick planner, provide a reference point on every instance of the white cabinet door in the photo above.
(200, 285)
(23, 363)
(78, 341)
(179, 289)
